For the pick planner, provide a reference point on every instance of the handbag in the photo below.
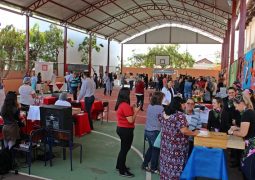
(157, 142)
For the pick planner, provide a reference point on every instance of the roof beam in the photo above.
(85, 11)
(37, 4)
(162, 7)
(207, 7)
(173, 19)
(145, 11)
(107, 13)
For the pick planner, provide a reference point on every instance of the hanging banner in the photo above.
(46, 70)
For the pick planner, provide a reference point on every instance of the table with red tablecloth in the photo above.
(96, 109)
(82, 125)
(48, 100)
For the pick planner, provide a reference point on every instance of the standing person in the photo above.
(131, 81)
(126, 116)
(39, 83)
(33, 80)
(2, 93)
(146, 81)
(10, 113)
(74, 85)
(109, 82)
(174, 141)
(53, 81)
(250, 95)
(152, 129)
(246, 131)
(139, 91)
(67, 81)
(188, 88)
(95, 77)
(27, 94)
(218, 119)
(87, 91)
(105, 79)
(169, 94)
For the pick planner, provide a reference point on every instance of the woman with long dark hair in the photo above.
(10, 113)
(126, 116)
(218, 119)
(174, 140)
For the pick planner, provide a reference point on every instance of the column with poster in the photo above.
(248, 68)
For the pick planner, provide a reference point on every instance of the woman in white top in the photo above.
(27, 94)
(167, 98)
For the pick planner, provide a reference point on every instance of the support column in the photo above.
(233, 24)
(27, 44)
(108, 55)
(222, 54)
(241, 36)
(227, 50)
(121, 59)
(65, 49)
(90, 53)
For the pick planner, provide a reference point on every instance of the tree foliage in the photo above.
(177, 59)
(12, 46)
(84, 48)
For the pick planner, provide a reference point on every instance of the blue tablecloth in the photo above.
(206, 162)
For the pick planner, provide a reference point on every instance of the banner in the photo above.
(248, 80)
(46, 70)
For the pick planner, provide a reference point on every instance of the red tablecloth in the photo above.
(59, 85)
(97, 107)
(49, 100)
(82, 124)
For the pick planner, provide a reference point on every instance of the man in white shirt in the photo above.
(27, 94)
(87, 91)
(169, 93)
(67, 81)
(62, 100)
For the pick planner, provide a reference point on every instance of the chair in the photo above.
(64, 139)
(37, 136)
(104, 110)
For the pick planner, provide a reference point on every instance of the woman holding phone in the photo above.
(126, 116)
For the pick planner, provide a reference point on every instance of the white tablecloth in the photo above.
(33, 113)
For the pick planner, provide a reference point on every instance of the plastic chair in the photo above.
(64, 139)
(37, 136)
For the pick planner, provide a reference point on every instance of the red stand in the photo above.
(49, 100)
(82, 126)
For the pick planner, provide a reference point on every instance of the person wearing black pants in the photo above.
(139, 91)
(88, 105)
(87, 91)
(126, 115)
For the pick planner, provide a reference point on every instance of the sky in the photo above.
(198, 51)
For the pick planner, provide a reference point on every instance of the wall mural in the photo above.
(248, 75)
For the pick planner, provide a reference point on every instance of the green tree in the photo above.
(12, 43)
(177, 60)
(84, 48)
(37, 44)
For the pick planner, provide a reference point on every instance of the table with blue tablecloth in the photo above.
(206, 162)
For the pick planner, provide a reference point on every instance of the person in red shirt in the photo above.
(139, 91)
(126, 116)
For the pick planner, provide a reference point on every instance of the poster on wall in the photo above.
(45, 68)
(248, 80)
(233, 72)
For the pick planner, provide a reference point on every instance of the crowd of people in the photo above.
(176, 115)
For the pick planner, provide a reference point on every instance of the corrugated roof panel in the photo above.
(85, 22)
(98, 15)
(76, 5)
(106, 31)
(55, 11)
(125, 4)
(141, 15)
(118, 25)
(129, 20)
(24, 3)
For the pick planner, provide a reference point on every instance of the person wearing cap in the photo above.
(27, 93)
(62, 100)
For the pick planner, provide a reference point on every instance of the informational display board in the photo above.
(46, 70)
(77, 67)
(162, 60)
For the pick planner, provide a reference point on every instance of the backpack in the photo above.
(5, 161)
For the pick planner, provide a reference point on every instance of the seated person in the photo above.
(27, 93)
(62, 101)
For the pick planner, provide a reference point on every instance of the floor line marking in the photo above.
(148, 174)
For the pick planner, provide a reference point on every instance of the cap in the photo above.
(26, 80)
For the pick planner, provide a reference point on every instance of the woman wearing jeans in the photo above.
(126, 115)
(152, 129)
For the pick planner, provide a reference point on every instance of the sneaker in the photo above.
(146, 168)
(155, 171)
(127, 174)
